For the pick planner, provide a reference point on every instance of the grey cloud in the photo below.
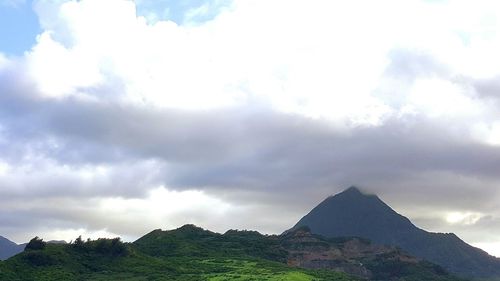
(130, 179)
(488, 88)
(245, 155)
(260, 150)
(483, 230)
(406, 65)
(23, 224)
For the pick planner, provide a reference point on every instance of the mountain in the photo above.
(353, 213)
(192, 253)
(9, 248)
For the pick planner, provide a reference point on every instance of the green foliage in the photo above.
(180, 257)
(38, 258)
(35, 244)
(78, 243)
(196, 242)
(112, 247)
(186, 254)
(244, 270)
(75, 265)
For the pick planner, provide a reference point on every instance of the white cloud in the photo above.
(60, 72)
(323, 61)
(230, 60)
(167, 209)
(4, 169)
(466, 218)
(493, 248)
(488, 132)
(3, 61)
(442, 98)
(70, 234)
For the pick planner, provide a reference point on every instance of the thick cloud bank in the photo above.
(246, 114)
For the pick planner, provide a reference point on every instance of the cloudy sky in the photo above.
(119, 117)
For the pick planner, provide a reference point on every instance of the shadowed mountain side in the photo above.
(9, 248)
(353, 213)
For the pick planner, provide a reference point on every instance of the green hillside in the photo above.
(107, 259)
(191, 253)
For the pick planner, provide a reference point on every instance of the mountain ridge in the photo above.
(355, 213)
(9, 248)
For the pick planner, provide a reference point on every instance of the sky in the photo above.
(120, 117)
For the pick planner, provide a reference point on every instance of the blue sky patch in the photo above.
(18, 27)
(181, 12)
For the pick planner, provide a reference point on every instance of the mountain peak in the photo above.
(355, 213)
(355, 195)
(352, 190)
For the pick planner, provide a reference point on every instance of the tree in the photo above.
(78, 243)
(35, 244)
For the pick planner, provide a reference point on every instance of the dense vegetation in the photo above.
(191, 253)
(71, 265)
(110, 259)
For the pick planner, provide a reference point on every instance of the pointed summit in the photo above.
(352, 189)
(353, 213)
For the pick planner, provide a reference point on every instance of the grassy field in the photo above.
(242, 270)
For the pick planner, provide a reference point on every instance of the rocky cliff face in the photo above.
(348, 255)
